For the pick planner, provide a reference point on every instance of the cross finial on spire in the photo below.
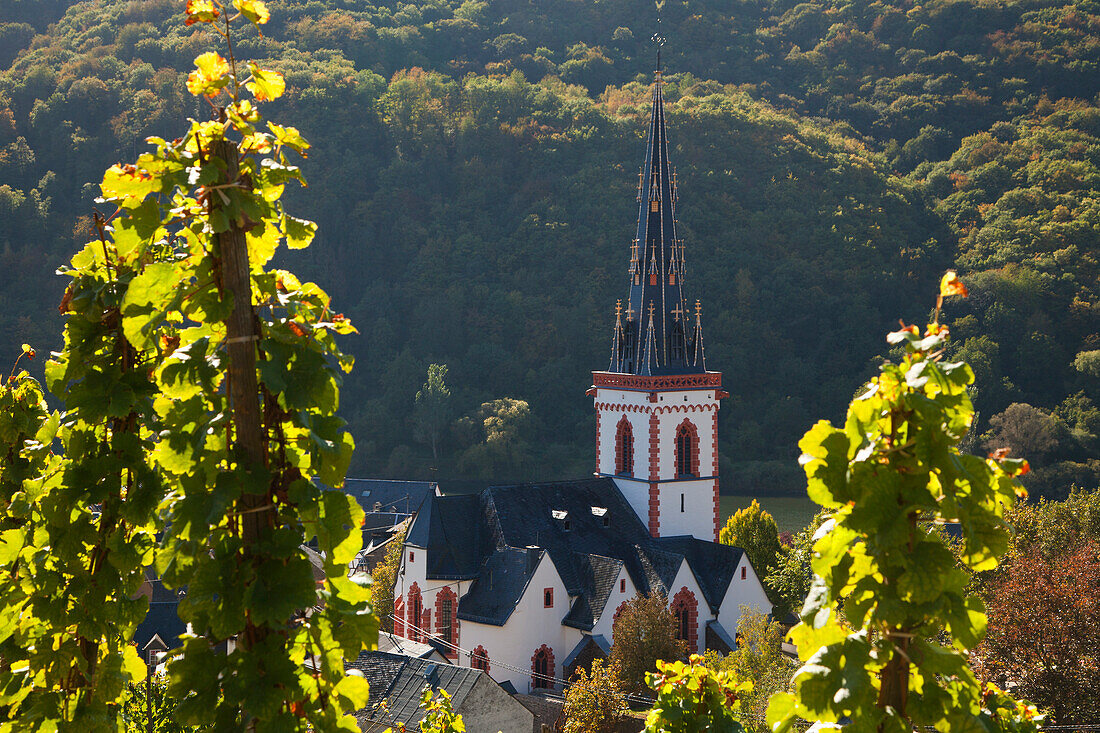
(698, 308)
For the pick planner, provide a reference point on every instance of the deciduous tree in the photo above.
(1044, 623)
(594, 701)
(758, 659)
(643, 632)
(432, 413)
(755, 531)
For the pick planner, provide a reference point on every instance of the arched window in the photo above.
(685, 609)
(480, 659)
(542, 668)
(446, 617)
(687, 449)
(683, 624)
(624, 447)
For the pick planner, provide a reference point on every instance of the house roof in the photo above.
(402, 497)
(405, 647)
(163, 620)
(499, 586)
(599, 641)
(448, 528)
(713, 564)
(400, 679)
(586, 526)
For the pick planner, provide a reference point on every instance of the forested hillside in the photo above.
(473, 175)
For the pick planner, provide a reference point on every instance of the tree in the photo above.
(433, 408)
(758, 659)
(644, 630)
(1024, 430)
(594, 702)
(1044, 622)
(1088, 363)
(383, 580)
(792, 575)
(1056, 529)
(503, 449)
(137, 709)
(755, 531)
(891, 474)
(200, 390)
(692, 698)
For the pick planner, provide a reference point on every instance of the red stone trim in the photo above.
(415, 598)
(624, 431)
(399, 616)
(654, 476)
(443, 594)
(667, 382)
(688, 427)
(599, 430)
(426, 623)
(612, 407)
(547, 597)
(714, 468)
(684, 602)
(539, 682)
(479, 659)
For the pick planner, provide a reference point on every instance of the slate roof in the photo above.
(399, 680)
(404, 647)
(162, 618)
(713, 564)
(594, 545)
(499, 587)
(661, 340)
(586, 526)
(448, 527)
(403, 497)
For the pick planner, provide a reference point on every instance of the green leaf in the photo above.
(299, 232)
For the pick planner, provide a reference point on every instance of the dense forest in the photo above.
(473, 174)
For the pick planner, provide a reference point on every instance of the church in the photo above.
(524, 581)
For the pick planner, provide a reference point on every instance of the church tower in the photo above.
(657, 405)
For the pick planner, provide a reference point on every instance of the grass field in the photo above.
(791, 513)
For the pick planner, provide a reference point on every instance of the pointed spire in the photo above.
(698, 359)
(617, 339)
(656, 271)
(650, 363)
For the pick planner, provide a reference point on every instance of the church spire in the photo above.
(656, 269)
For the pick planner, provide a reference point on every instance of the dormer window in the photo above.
(601, 513)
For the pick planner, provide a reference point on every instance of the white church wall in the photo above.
(742, 592)
(685, 578)
(529, 627)
(695, 515)
(635, 406)
(623, 590)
